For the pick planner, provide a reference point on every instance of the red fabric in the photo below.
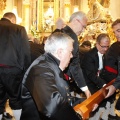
(6, 66)
(110, 69)
(66, 76)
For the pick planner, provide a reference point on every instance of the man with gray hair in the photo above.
(45, 92)
(76, 25)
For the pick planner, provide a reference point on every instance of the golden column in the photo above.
(56, 9)
(2, 7)
(40, 15)
(26, 14)
(67, 11)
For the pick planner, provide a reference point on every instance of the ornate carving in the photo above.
(2, 5)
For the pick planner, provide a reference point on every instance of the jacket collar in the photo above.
(53, 58)
(5, 19)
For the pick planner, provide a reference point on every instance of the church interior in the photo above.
(39, 16)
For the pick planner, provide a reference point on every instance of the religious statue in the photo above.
(98, 12)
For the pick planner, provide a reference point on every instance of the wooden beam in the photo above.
(86, 106)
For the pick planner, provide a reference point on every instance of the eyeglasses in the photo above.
(104, 46)
(84, 26)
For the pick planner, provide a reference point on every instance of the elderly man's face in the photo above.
(103, 45)
(66, 55)
(80, 26)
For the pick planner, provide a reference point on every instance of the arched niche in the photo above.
(47, 12)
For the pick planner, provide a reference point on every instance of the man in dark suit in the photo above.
(14, 60)
(77, 24)
(111, 68)
(92, 66)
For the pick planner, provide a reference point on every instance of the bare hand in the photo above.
(111, 90)
(87, 93)
(95, 107)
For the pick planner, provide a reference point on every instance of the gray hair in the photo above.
(57, 40)
(80, 15)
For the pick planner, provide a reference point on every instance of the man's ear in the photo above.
(59, 52)
(13, 20)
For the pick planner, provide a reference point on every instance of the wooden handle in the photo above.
(86, 106)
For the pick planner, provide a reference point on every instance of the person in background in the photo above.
(59, 24)
(14, 60)
(44, 88)
(92, 66)
(36, 49)
(77, 24)
(83, 49)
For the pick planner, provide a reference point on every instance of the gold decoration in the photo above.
(2, 5)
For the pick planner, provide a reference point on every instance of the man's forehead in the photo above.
(116, 26)
(105, 40)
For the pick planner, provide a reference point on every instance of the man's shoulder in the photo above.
(115, 47)
(18, 26)
(115, 44)
(93, 51)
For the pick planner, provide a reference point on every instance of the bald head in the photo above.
(10, 16)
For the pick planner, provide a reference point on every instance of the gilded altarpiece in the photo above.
(45, 21)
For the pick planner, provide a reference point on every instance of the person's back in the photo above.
(14, 47)
(14, 60)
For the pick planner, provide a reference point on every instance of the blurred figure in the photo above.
(44, 89)
(35, 49)
(14, 60)
(83, 49)
(60, 23)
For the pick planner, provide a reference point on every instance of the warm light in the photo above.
(49, 13)
(75, 8)
(19, 20)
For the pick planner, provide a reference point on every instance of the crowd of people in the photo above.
(35, 78)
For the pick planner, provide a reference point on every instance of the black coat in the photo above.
(14, 46)
(112, 62)
(74, 70)
(36, 50)
(44, 92)
(90, 67)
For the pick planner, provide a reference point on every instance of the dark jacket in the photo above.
(117, 81)
(111, 65)
(82, 52)
(14, 46)
(74, 70)
(90, 67)
(36, 50)
(44, 92)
